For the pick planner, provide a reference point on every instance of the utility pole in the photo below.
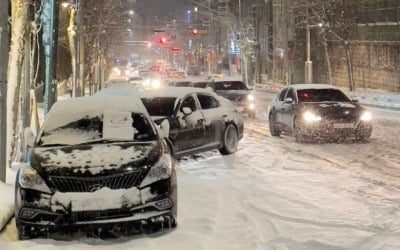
(50, 35)
(4, 47)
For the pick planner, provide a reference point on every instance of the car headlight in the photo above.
(156, 84)
(250, 98)
(311, 117)
(160, 171)
(366, 116)
(252, 106)
(30, 179)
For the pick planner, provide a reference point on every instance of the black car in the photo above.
(98, 166)
(318, 111)
(199, 119)
(237, 92)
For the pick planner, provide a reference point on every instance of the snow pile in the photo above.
(6, 203)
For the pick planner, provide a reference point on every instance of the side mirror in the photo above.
(187, 111)
(164, 128)
(29, 137)
(288, 100)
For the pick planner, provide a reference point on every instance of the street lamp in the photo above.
(308, 62)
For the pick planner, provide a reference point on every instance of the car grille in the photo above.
(91, 184)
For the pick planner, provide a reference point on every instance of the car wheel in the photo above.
(230, 140)
(298, 134)
(362, 138)
(272, 129)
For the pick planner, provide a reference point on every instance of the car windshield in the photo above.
(230, 85)
(322, 95)
(86, 130)
(160, 106)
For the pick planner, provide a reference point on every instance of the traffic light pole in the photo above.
(4, 47)
(50, 35)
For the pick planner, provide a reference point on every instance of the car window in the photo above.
(322, 95)
(282, 95)
(208, 102)
(160, 106)
(189, 102)
(290, 94)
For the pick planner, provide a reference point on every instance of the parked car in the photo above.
(99, 164)
(318, 111)
(237, 92)
(199, 119)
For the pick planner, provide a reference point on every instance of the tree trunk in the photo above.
(349, 66)
(327, 57)
(19, 11)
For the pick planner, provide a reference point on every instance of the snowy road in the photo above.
(277, 194)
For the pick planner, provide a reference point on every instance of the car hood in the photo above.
(94, 159)
(338, 110)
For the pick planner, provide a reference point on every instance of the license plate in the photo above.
(86, 205)
(343, 125)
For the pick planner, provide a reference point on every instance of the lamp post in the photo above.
(308, 62)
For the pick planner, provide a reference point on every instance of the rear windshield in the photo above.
(182, 84)
(322, 95)
(135, 79)
(160, 106)
(230, 85)
(200, 85)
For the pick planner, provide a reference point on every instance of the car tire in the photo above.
(363, 138)
(272, 128)
(230, 140)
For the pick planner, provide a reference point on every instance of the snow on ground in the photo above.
(277, 194)
(6, 203)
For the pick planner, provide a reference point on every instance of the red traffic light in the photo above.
(195, 32)
(163, 40)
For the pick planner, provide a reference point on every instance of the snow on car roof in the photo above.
(67, 111)
(312, 86)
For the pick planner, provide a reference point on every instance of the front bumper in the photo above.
(330, 130)
(245, 107)
(37, 216)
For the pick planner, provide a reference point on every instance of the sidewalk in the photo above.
(368, 98)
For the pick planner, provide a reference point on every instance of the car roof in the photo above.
(70, 110)
(311, 86)
(176, 92)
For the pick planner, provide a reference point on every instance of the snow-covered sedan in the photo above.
(318, 111)
(98, 165)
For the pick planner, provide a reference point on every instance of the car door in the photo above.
(279, 107)
(213, 118)
(287, 109)
(191, 127)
